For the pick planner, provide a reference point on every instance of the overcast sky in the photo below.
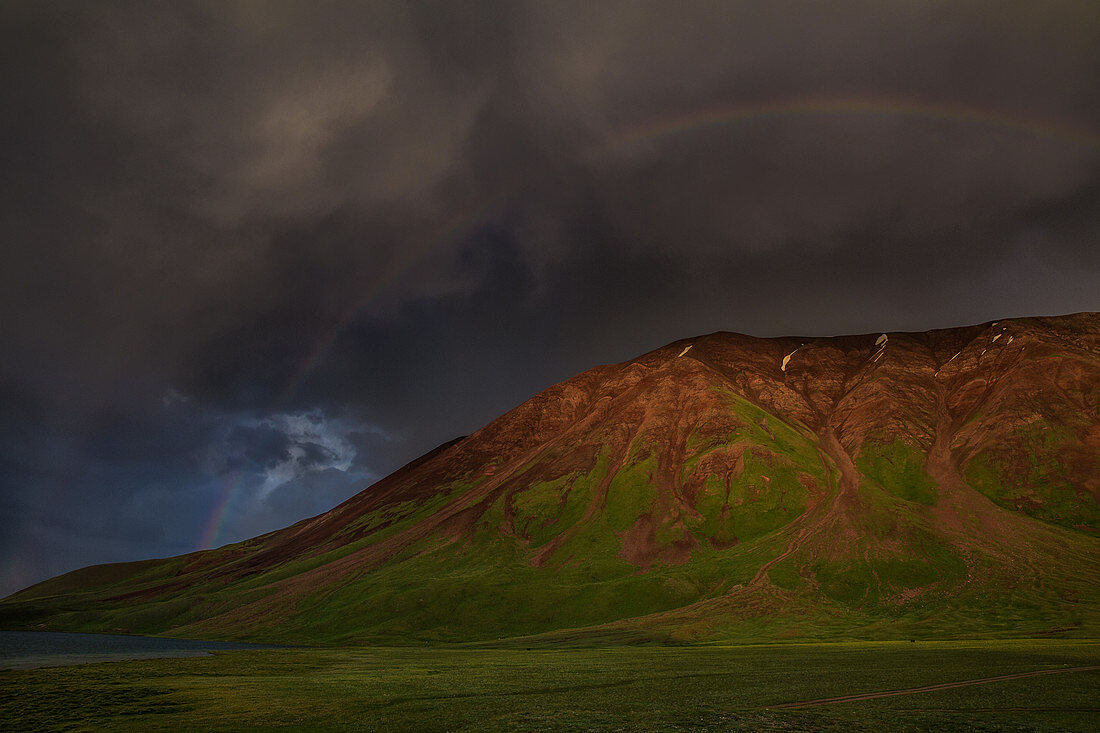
(256, 256)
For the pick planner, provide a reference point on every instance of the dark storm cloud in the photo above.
(317, 492)
(271, 251)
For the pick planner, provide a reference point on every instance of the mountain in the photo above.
(725, 487)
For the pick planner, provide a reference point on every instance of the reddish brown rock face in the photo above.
(744, 474)
(950, 395)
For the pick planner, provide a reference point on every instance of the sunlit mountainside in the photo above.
(899, 485)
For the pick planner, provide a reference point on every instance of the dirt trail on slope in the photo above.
(931, 688)
(970, 517)
(815, 519)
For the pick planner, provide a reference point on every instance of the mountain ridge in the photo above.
(718, 487)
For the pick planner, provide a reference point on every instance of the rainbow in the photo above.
(407, 259)
(657, 130)
(724, 115)
(213, 527)
(675, 125)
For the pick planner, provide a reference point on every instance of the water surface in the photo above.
(30, 649)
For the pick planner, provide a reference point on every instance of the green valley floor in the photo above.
(658, 688)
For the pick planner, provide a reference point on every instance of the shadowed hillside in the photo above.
(723, 487)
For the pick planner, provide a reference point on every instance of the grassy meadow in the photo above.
(666, 688)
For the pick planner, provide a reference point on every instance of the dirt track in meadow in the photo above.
(931, 688)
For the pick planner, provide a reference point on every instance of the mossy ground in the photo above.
(693, 688)
(1031, 477)
(898, 468)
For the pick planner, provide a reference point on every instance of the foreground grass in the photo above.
(625, 688)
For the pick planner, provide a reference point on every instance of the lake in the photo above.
(31, 649)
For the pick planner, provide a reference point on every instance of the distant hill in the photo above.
(899, 485)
